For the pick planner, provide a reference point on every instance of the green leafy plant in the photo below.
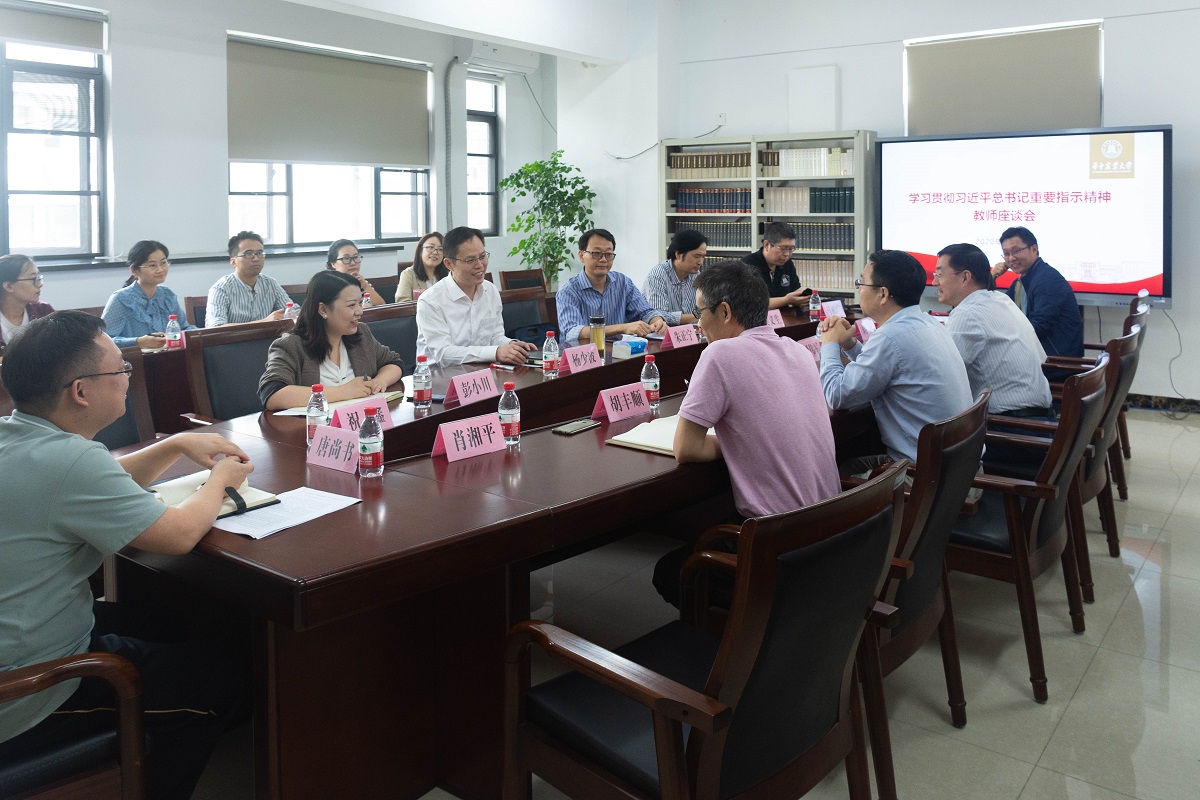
(561, 210)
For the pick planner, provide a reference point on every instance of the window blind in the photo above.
(39, 23)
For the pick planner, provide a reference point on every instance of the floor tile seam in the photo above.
(960, 740)
(1081, 780)
(1194, 670)
(1017, 625)
(1067, 705)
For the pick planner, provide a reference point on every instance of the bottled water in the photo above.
(650, 381)
(510, 414)
(290, 311)
(550, 356)
(370, 444)
(174, 334)
(318, 410)
(814, 307)
(422, 384)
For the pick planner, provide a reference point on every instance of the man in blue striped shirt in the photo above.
(245, 295)
(598, 291)
(671, 285)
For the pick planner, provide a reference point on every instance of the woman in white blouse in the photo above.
(328, 346)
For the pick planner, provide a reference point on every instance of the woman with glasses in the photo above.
(19, 303)
(427, 268)
(344, 257)
(137, 314)
(329, 346)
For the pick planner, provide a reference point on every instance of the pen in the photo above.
(508, 367)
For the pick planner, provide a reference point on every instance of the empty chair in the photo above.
(195, 307)
(224, 365)
(522, 279)
(395, 326)
(524, 313)
(386, 286)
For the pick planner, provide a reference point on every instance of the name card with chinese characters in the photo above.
(336, 448)
(833, 308)
(775, 318)
(469, 437)
(471, 387)
(351, 416)
(578, 359)
(863, 329)
(621, 402)
(679, 336)
(813, 343)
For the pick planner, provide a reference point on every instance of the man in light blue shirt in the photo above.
(671, 285)
(598, 291)
(909, 370)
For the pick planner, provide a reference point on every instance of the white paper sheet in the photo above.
(294, 507)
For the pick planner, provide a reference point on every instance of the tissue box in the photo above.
(628, 347)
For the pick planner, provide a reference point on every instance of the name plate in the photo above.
(833, 308)
(468, 438)
(352, 415)
(863, 329)
(775, 318)
(621, 402)
(335, 448)
(469, 388)
(579, 358)
(813, 343)
(679, 336)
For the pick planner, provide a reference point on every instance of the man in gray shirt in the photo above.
(245, 295)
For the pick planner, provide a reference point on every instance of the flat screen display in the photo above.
(1098, 201)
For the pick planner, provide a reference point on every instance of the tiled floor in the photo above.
(1123, 720)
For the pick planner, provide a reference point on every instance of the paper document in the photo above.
(384, 399)
(656, 436)
(294, 508)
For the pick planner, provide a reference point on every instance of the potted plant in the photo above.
(561, 210)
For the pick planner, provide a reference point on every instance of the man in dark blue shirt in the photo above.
(1042, 293)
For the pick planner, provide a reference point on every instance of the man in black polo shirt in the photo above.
(774, 264)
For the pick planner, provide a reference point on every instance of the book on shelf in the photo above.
(174, 492)
(808, 199)
(713, 201)
(719, 234)
(710, 164)
(807, 162)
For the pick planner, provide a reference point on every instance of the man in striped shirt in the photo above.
(245, 295)
(671, 285)
(598, 291)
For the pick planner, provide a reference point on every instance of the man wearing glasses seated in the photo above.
(245, 295)
(774, 264)
(461, 320)
(599, 291)
(1042, 293)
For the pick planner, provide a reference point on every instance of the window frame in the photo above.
(492, 120)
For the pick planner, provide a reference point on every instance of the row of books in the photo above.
(713, 201)
(808, 162)
(823, 235)
(823, 273)
(808, 199)
(709, 164)
(720, 234)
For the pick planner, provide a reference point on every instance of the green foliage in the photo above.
(561, 210)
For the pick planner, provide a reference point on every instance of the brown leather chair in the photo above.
(224, 365)
(522, 279)
(525, 314)
(766, 710)
(1021, 526)
(98, 766)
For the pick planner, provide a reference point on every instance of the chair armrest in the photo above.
(883, 615)
(718, 533)
(901, 569)
(1092, 346)
(663, 695)
(1018, 440)
(1023, 423)
(109, 667)
(1071, 361)
(198, 421)
(1016, 486)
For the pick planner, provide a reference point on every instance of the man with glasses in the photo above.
(245, 295)
(461, 320)
(774, 265)
(599, 291)
(1042, 293)
(67, 504)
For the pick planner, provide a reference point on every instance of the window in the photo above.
(317, 203)
(52, 173)
(483, 137)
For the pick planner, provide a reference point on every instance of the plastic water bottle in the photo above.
(174, 334)
(370, 444)
(422, 383)
(550, 356)
(814, 307)
(510, 414)
(366, 299)
(650, 380)
(318, 410)
(290, 311)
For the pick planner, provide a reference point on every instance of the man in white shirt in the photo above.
(460, 320)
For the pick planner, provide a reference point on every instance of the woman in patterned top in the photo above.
(137, 314)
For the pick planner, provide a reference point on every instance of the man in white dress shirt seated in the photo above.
(460, 320)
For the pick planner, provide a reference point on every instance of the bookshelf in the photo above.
(822, 184)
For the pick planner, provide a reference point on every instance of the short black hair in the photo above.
(1024, 234)
(965, 257)
(240, 237)
(49, 353)
(587, 235)
(324, 287)
(332, 255)
(456, 238)
(684, 242)
(739, 285)
(776, 232)
(902, 274)
(11, 266)
(140, 253)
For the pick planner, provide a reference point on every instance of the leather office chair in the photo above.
(522, 279)
(395, 326)
(224, 365)
(194, 307)
(296, 292)
(948, 455)
(1020, 527)
(766, 710)
(105, 764)
(386, 286)
(524, 313)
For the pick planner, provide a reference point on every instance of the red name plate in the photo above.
(679, 336)
(833, 308)
(335, 448)
(621, 402)
(775, 318)
(471, 387)
(813, 343)
(580, 358)
(351, 416)
(469, 437)
(863, 329)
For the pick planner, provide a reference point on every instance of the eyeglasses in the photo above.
(348, 260)
(700, 310)
(600, 255)
(858, 284)
(431, 248)
(126, 370)
(473, 260)
(939, 274)
(36, 280)
(252, 254)
(787, 250)
(1015, 253)
(155, 264)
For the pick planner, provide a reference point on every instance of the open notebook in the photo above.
(655, 436)
(174, 492)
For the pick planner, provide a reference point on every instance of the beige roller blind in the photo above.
(33, 23)
(1030, 80)
(289, 105)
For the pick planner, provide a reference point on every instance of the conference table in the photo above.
(378, 631)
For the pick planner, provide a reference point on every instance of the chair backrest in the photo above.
(1123, 354)
(95, 311)
(395, 326)
(224, 366)
(1140, 317)
(524, 312)
(804, 585)
(297, 292)
(948, 456)
(386, 286)
(1138, 299)
(522, 279)
(1083, 403)
(401, 266)
(194, 307)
